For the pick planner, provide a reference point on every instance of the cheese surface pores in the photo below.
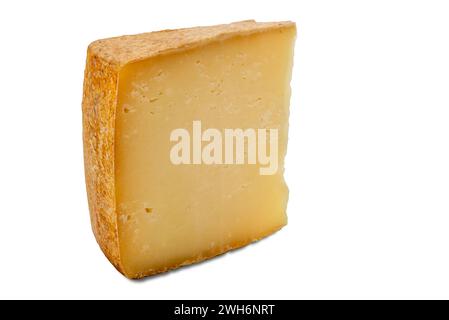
(149, 214)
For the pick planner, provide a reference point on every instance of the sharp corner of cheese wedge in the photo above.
(185, 133)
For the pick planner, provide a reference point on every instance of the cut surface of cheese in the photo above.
(149, 214)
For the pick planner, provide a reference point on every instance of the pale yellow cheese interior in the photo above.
(169, 215)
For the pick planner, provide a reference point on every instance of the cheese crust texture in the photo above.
(148, 214)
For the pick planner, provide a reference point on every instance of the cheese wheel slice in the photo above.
(177, 130)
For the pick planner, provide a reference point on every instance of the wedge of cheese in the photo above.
(151, 213)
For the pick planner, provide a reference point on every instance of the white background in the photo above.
(367, 166)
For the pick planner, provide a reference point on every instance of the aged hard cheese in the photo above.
(150, 214)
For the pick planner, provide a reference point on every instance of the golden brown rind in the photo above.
(127, 49)
(99, 104)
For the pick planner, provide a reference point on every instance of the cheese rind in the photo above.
(118, 177)
(123, 50)
(99, 110)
